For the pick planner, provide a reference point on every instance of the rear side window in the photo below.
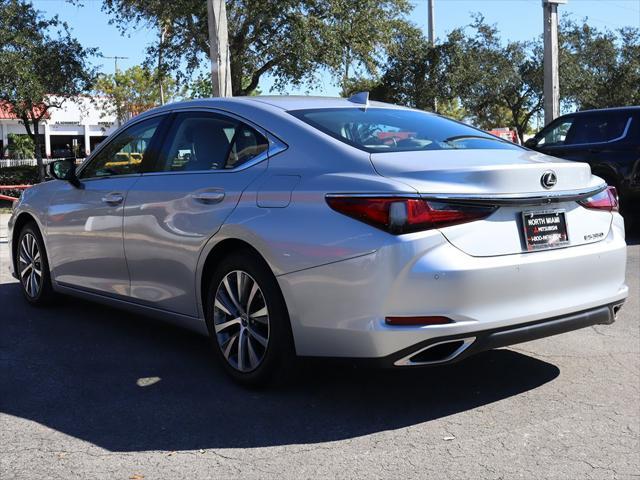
(396, 130)
(207, 141)
(597, 128)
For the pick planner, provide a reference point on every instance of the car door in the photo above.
(559, 140)
(84, 225)
(207, 160)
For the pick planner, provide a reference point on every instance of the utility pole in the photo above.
(219, 48)
(551, 76)
(431, 27)
(432, 43)
(115, 59)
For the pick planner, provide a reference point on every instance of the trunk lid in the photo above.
(511, 178)
(481, 171)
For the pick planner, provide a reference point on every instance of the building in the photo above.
(74, 129)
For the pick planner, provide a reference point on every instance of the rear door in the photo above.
(207, 160)
(84, 225)
(587, 137)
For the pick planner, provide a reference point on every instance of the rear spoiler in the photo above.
(517, 199)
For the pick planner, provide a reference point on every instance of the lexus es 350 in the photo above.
(292, 227)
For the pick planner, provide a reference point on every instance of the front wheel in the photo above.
(32, 266)
(248, 320)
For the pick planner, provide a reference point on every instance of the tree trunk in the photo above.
(38, 151)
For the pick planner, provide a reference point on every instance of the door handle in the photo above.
(208, 197)
(113, 198)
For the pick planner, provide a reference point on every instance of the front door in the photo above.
(84, 225)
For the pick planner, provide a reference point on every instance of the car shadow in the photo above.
(127, 383)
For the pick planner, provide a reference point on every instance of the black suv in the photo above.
(608, 140)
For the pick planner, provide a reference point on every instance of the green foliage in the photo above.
(20, 146)
(289, 39)
(17, 176)
(39, 57)
(201, 87)
(499, 84)
(475, 75)
(422, 75)
(356, 35)
(599, 69)
(135, 90)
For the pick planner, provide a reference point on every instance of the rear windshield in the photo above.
(394, 130)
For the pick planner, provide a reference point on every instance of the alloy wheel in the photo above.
(30, 265)
(241, 321)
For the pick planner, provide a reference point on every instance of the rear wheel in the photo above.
(248, 320)
(32, 266)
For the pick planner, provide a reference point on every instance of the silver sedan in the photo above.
(289, 227)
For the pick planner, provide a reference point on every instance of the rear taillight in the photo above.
(605, 200)
(406, 215)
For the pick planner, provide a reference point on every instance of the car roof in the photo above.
(283, 102)
(632, 108)
(304, 102)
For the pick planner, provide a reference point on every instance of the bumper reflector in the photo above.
(417, 321)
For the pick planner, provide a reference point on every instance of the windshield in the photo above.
(395, 130)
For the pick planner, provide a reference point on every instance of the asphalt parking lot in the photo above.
(91, 392)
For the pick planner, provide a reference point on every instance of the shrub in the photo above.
(17, 176)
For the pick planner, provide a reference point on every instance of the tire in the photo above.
(250, 332)
(32, 266)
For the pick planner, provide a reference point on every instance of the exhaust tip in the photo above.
(615, 309)
(440, 352)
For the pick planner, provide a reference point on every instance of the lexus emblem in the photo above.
(549, 179)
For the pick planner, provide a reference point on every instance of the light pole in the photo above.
(432, 44)
(219, 48)
(550, 60)
(431, 27)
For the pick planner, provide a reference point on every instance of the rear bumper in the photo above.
(339, 310)
(483, 340)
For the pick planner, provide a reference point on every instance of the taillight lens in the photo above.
(605, 200)
(406, 215)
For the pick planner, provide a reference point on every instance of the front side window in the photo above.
(125, 153)
(207, 141)
(397, 130)
(557, 134)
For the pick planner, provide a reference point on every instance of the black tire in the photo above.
(277, 359)
(43, 294)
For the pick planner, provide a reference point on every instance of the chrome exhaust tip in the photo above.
(615, 309)
(436, 353)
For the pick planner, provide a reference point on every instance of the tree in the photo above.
(599, 69)
(134, 91)
(356, 35)
(41, 66)
(421, 75)
(20, 146)
(289, 39)
(201, 87)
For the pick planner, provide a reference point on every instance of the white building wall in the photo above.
(83, 117)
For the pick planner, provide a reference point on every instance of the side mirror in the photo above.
(65, 170)
(531, 143)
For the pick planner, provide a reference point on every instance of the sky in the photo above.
(515, 19)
